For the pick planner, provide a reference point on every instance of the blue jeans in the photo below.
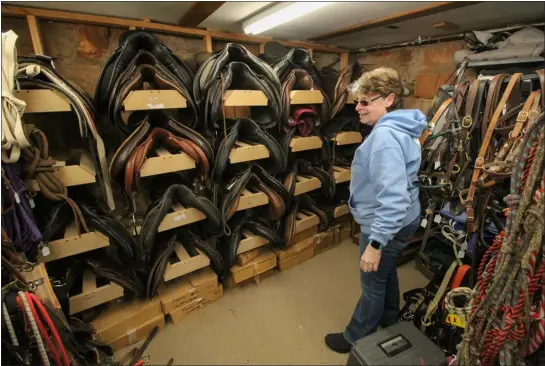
(379, 302)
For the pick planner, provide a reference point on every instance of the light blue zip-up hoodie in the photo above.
(383, 198)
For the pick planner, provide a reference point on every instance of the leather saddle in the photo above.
(245, 129)
(130, 43)
(170, 134)
(238, 75)
(305, 204)
(176, 193)
(300, 79)
(228, 245)
(323, 157)
(304, 119)
(297, 58)
(146, 72)
(257, 179)
(338, 91)
(212, 68)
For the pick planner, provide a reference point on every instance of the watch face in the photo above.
(375, 244)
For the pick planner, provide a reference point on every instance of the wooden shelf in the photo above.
(243, 98)
(341, 210)
(341, 174)
(250, 241)
(44, 291)
(43, 101)
(306, 97)
(250, 200)
(165, 162)
(183, 263)
(244, 151)
(180, 217)
(92, 295)
(351, 98)
(305, 143)
(347, 138)
(73, 244)
(306, 184)
(141, 100)
(71, 175)
(305, 220)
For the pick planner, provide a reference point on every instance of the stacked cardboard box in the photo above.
(189, 293)
(299, 249)
(126, 322)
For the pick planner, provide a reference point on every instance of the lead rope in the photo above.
(501, 320)
(9, 325)
(35, 331)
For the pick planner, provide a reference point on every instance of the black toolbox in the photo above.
(399, 344)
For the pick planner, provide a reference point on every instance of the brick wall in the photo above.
(411, 62)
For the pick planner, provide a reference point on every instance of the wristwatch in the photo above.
(375, 244)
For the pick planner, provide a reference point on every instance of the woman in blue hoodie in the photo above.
(383, 199)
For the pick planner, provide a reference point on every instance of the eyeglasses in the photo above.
(366, 102)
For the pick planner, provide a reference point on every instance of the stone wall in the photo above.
(412, 61)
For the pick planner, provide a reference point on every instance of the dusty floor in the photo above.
(283, 320)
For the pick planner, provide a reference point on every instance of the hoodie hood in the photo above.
(410, 121)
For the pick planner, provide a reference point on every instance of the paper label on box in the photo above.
(131, 335)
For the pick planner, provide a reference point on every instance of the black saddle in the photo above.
(246, 130)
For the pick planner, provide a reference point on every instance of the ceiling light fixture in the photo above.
(280, 14)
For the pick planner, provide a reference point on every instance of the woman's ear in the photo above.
(389, 100)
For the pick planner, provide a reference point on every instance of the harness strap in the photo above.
(432, 307)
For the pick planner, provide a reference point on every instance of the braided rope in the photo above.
(503, 324)
(9, 325)
(35, 331)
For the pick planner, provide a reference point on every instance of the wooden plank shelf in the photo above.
(141, 100)
(182, 263)
(180, 217)
(341, 210)
(341, 174)
(305, 220)
(305, 143)
(351, 98)
(306, 184)
(306, 97)
(93, 295)
(44, 290)
(244, 98)
(246, 151)
(347, 138)
(165, 162)
(250, 241)
(71, 175)
(251, 199)
(73, 243)
(43, 101)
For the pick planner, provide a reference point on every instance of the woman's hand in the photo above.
(370, 259)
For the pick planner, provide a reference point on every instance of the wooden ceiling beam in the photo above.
(435, 8)
(199, 12)
(71, 17)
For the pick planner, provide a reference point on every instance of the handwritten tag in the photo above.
(424, 223)
(17, 199)
(31, 203)
(461, 254)
(437, 219)
(437, 165)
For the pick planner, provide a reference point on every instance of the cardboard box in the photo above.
(303, 235)
(246, 257)
(185, 289)
(296, 254)
(119, 318)
(181, 313)
(139, 333)
(344, 232)
(260, 264)
(324, 241)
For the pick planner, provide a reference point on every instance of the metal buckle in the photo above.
(522, 117)
(479, 162)
(467, 121)
(455, 169)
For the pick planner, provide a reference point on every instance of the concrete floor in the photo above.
(283, 320)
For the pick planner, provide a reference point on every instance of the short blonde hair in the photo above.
(383, 81)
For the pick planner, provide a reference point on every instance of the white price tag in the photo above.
(17, 199)
(45, 251)
(31, 203)
(437, 219)
(424, 223)
(461, 254)
(437, 164)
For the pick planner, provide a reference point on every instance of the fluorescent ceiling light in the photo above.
(286, 14)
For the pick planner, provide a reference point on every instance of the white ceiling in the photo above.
(229, 17)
